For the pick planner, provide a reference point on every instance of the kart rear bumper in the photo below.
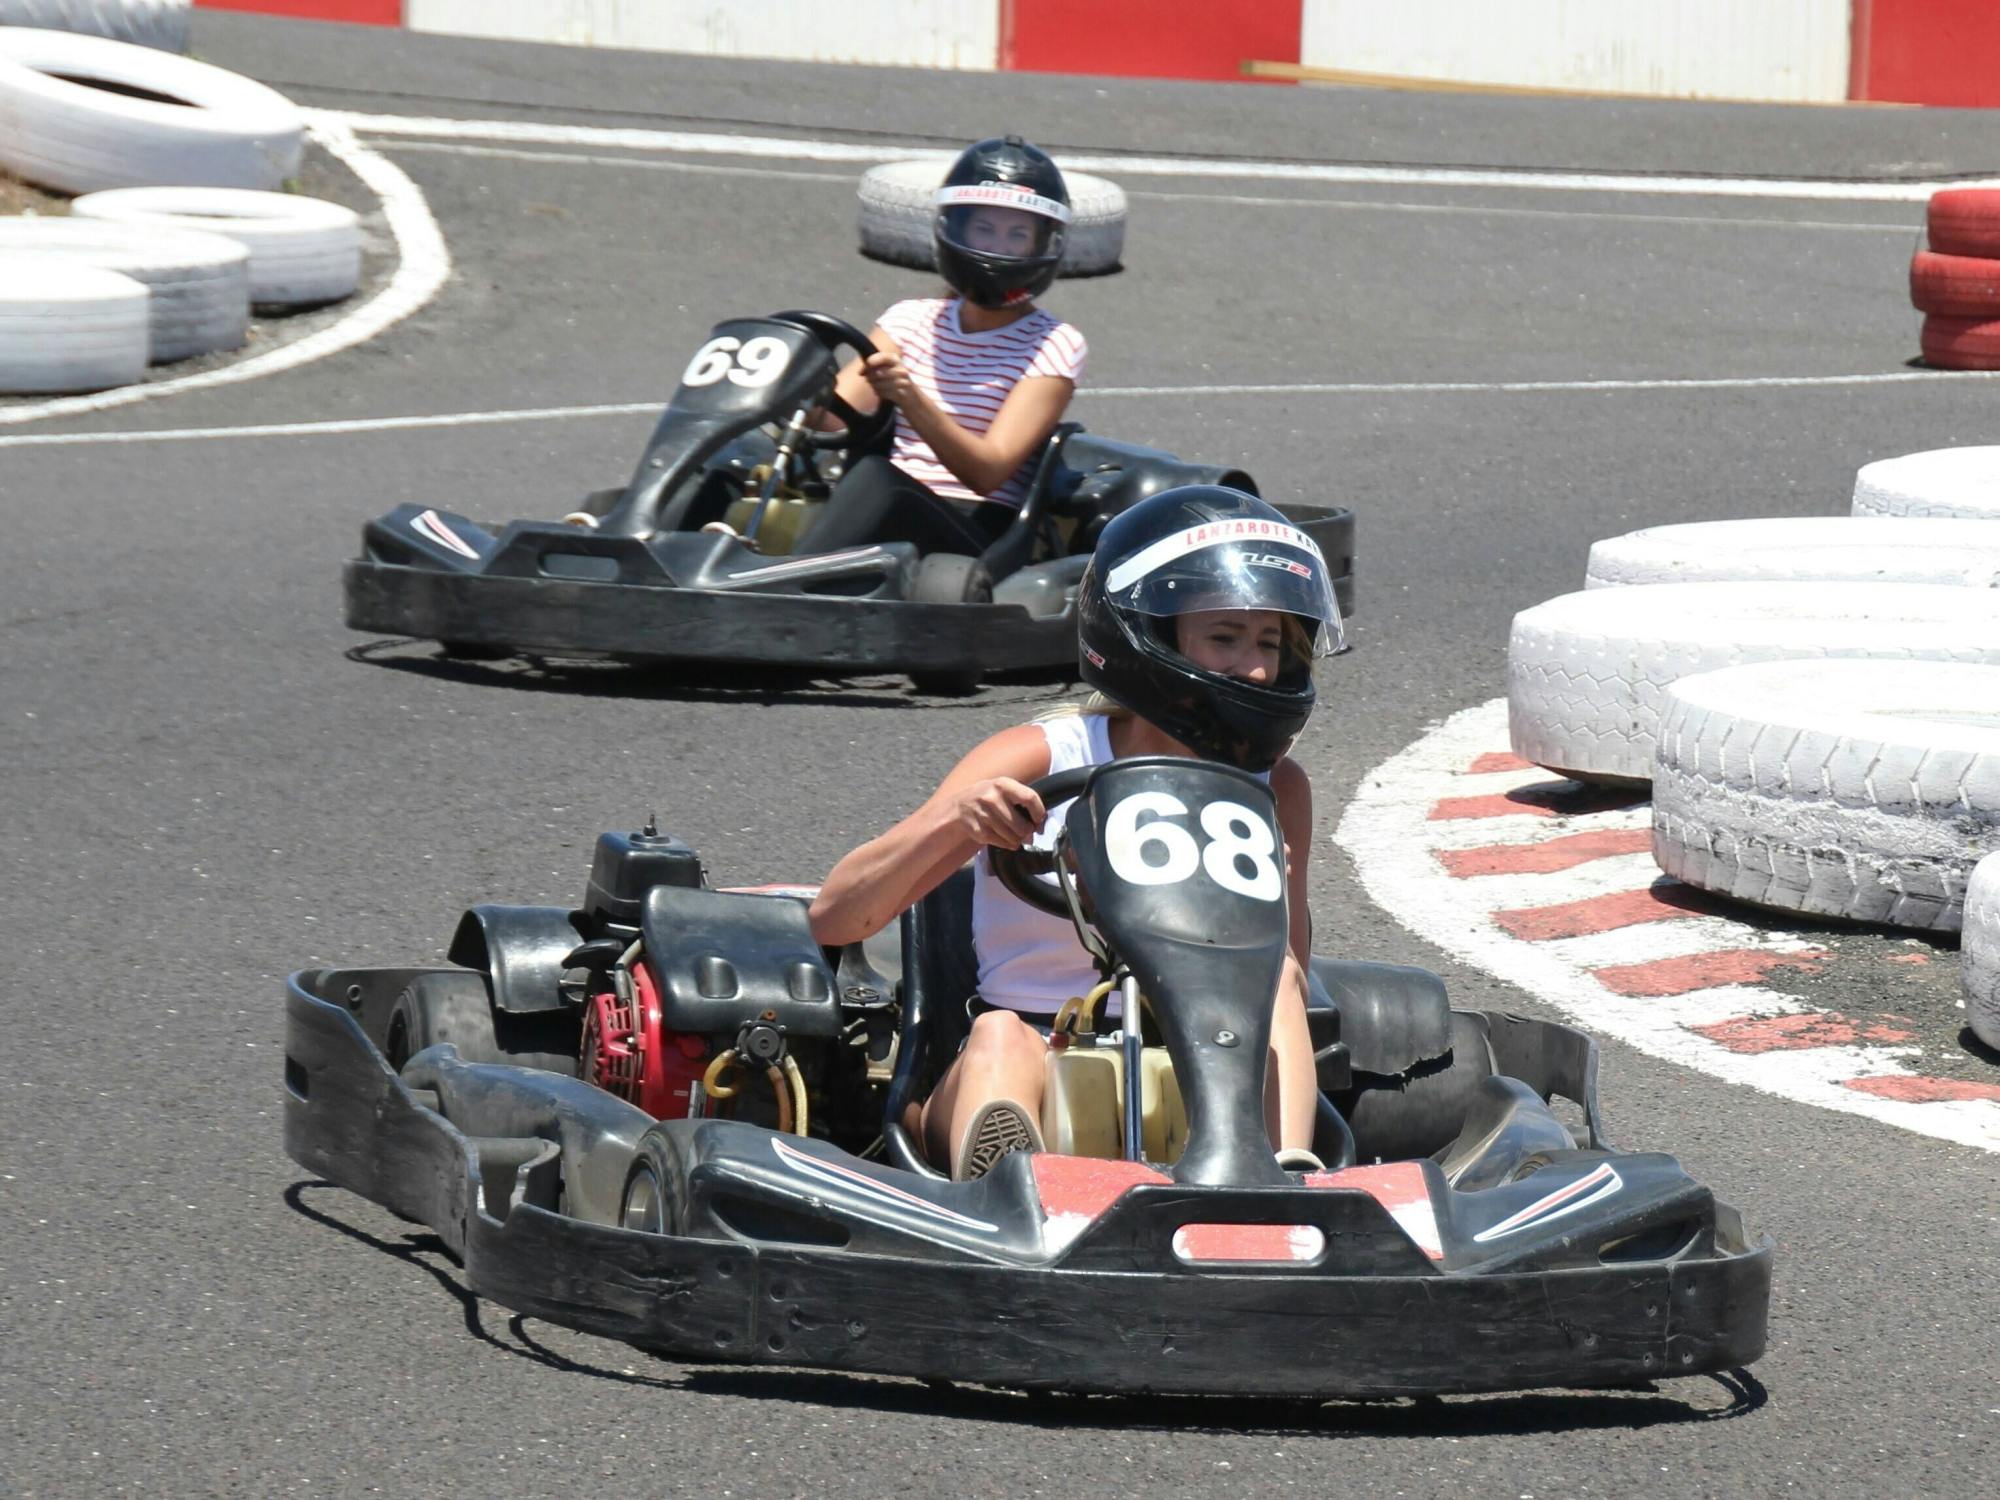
(1082, 1321)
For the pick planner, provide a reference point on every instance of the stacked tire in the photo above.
(1955, 283)
(148, 23)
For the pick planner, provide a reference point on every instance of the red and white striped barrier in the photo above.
(1820, 51)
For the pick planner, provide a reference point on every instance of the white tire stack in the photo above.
(1588, 673)
(1979, 957)
(67, 327)
(1962, 483)
(303, 251)
(897, 212)
(149, 23)
(198, 284)
(1859, 789)
(82, 113)
(1861, 549)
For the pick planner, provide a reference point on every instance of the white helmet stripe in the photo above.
(1004, 195)
(1213, 534)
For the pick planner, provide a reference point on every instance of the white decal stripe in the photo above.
(846, 1177)
(809, 562)
(1556, 1206)
(1005, 197)
(432, 526)
(1214, 534)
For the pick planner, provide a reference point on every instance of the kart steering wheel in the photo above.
(1016, 869)
(834, 334)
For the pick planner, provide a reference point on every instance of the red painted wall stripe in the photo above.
(1925, 51)
(1659, 903)
(1702, 971)
(1144, 39)
(366, 12)
(1565, 853)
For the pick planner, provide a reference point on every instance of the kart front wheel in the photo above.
(455, 1007)
(947, 578)
(648, 1204)
(1411, 1114)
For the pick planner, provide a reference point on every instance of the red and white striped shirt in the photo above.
(969, 376)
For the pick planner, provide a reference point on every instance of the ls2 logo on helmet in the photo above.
(1277, 560)
(1239, 855)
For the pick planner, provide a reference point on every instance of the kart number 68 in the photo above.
(1239, 855)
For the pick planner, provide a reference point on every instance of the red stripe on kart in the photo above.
(1400, 1187)
(1565, 853)
(1703, 971)
(1497, 760)
(1085, 1185)
(1248, 1242)
(1756, 1034)
(1924, 1090)
(1663, 901)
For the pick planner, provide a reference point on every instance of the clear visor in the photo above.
(1015, 226)
(1236, 565)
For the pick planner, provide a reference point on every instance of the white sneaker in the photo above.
(1298, 1159)
(721, 528)
(997, 1128)
(581, 518)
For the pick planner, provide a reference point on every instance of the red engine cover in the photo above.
(630, 1055)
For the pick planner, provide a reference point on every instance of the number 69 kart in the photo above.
(668, 1116)
(648, 583)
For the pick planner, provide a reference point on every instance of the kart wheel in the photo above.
(1413, 1114)
(649, 1204)
(946, 578)
(455, 1007)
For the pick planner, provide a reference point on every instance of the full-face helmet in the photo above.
(1001, 213)
(1205, 547)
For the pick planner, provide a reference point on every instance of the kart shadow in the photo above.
(696, 682)
(1710, 1398)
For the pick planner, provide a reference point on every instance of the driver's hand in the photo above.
(889, 377)
(1002, 812)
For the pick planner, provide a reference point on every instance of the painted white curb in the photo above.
(1588, 673)
(1950, 482)
(1857, 789)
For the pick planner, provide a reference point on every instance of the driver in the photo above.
(1199, 620)
(979, 380)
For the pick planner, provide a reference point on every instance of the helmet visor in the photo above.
(1001, 220)
(1233, 564)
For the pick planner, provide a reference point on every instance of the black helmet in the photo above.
(1202, 547)
(1006, 174)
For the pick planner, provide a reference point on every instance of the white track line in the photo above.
(1386, 831)
(698, 143)
(423, 263)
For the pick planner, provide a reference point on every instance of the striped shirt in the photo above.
(969, 376)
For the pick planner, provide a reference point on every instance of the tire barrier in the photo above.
(1964, 221)
(1979, 953)
(1588, 674)
(1960, 343)
(82, 113)
(146, 23)
(897, 212)
(198, 285)
(1956, 282)
(1957, 483)
(303, 251)
(66, 327)
(1864, 790)
(1802, 549)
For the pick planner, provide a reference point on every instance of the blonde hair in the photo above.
(1096, 704)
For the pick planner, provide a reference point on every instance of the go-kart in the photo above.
(696, 560)
(668, 1116)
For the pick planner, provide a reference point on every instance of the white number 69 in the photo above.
(752, 364)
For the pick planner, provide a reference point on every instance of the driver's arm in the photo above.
(985, 800)
(1293, 790)
(985, 461)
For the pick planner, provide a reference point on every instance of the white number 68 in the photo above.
(1237, 837)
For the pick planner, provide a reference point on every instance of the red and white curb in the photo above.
(1552, 887)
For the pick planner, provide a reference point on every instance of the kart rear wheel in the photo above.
(1413, 1114)
(947, 578)
(456, 1008)
(648, 1203)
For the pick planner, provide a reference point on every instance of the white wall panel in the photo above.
(1718, 49)
(913, 33)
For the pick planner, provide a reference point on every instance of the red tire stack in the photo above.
(1955, 284)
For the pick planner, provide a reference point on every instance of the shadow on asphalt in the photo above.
(697, 682)
(1708, 1398)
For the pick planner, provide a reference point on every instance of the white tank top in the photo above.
(1029, 960)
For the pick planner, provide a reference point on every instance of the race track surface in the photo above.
(210, 782)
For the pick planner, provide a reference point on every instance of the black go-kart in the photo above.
(670, 1117)
(694, 560)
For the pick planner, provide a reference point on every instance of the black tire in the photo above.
(455, 1007)
(651, 1201)
(1395, 1118)
(947, 578)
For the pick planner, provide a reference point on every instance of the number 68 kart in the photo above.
(647, 583)
(668, 1116)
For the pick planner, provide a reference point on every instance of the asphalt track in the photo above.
(210, 782)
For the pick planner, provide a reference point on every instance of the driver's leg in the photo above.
(1291, 1082)
(1002, 1064)
(877, 502)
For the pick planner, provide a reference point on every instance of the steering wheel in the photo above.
(835, 334)
(1016, 869)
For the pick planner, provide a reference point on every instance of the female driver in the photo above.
(978, 380)
(1198, 624)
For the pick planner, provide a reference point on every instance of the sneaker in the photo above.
(1298, 1159)
(997, 1128)
(720, 528)
(581, 518)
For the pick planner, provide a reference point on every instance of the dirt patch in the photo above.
(18, 197)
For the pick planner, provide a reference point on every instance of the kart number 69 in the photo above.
(1239, 855)
(751, 363)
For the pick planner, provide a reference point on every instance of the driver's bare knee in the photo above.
(1001, 1039)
